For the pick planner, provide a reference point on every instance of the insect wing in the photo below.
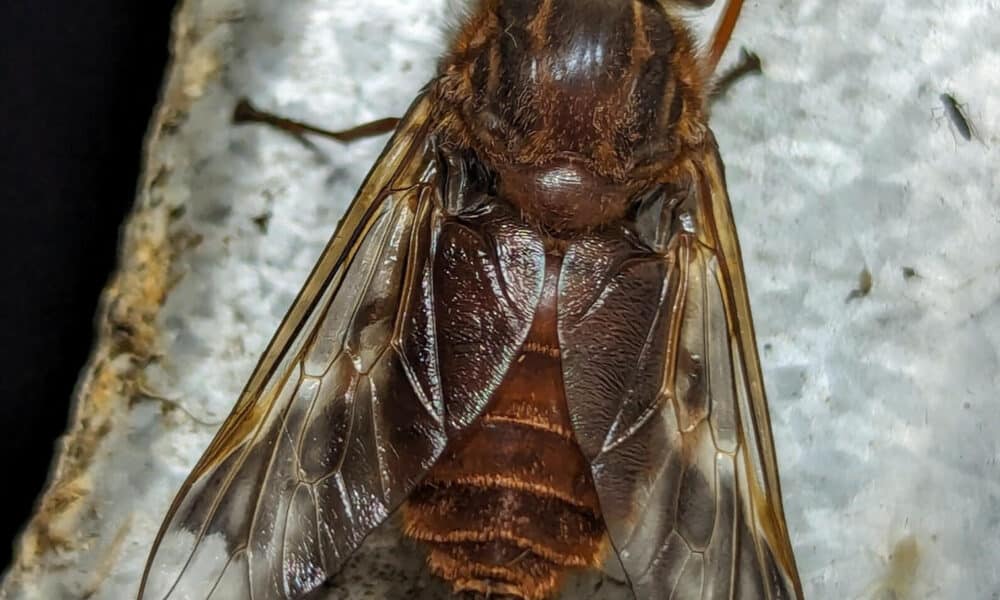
(341, 417)
(675, 422)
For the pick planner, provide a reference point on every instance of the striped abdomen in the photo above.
(511, 506)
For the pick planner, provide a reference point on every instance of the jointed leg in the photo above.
(749, 65)
(247, 113)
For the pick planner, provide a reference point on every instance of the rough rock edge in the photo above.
(127, 332)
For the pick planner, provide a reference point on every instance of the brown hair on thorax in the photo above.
(577, 105)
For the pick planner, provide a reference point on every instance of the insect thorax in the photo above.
(578, 106)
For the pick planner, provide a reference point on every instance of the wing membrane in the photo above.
(343, 414)
(674, 419)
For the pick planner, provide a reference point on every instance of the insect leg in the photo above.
(723, 32)
(749, 65)
(246, 112)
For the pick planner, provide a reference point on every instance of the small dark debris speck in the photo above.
(262, 221)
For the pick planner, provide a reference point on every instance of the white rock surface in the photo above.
(839, 158)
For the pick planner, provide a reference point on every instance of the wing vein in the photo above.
(263, 484)
(658, 403)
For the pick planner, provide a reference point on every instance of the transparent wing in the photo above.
(665, 393)
(343, 414)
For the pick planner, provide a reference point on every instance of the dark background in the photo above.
(78, 82)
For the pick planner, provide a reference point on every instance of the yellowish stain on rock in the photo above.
(900, 572)
(200, 68)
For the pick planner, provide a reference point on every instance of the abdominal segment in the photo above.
(511, 508)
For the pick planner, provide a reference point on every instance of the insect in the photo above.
(529, 339)
(864, 286)
(956, 114)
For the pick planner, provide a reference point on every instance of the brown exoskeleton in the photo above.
(530, 337)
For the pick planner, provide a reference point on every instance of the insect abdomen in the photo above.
(511, 505)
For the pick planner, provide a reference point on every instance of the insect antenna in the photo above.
(245, 112)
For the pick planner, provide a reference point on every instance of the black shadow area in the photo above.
(78, 82)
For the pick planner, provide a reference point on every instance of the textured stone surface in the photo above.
(839, 158)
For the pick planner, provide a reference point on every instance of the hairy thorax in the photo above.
(577, 106)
